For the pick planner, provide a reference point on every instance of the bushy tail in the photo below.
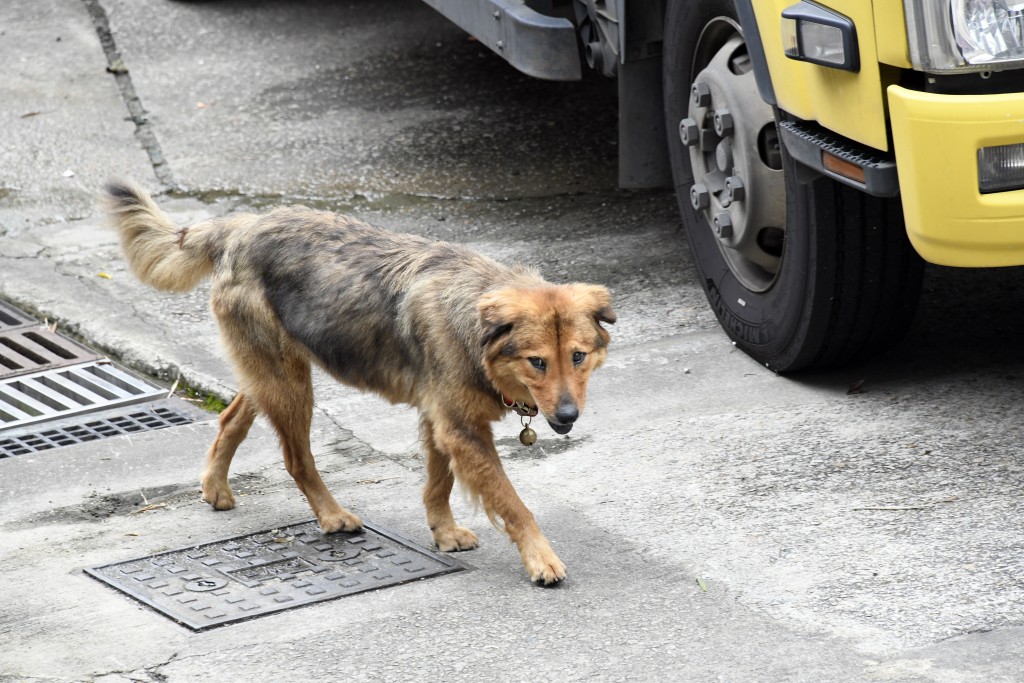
(160, 253)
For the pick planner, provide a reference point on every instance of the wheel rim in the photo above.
(738, 187)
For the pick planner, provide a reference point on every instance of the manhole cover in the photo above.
(248, 576)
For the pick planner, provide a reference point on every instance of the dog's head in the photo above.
(543, 343)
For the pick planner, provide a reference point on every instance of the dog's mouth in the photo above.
(560, 428)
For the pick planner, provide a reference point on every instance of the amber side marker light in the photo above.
(842, 167)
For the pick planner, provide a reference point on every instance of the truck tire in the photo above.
(801, 270)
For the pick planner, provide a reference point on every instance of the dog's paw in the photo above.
(548, 573)
(220, 497)
(343, 520)
(455, 539)
(543, 566)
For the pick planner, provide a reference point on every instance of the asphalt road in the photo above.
(872, 535)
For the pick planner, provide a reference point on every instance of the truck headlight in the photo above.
(965, 35)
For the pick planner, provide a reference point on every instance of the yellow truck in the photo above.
(820, 151)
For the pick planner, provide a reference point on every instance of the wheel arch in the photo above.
(755, 48)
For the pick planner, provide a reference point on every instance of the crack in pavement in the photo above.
(152, 673)
(116, 66)
(347, 435)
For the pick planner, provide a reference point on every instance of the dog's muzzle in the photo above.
(565, 416)
(560, 428)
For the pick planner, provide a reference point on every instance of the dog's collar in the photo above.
(521, 407)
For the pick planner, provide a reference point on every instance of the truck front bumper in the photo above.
(536, 44)
(936, 139)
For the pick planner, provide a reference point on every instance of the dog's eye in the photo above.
(538, 363)
(577, 357)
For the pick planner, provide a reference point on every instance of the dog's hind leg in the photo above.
(284, 393)
(235, 421)
(274, 374)
(448, 535)
(475, 462)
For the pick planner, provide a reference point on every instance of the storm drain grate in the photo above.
(31, 349)
(51, 394)
(11, 318)
(55, 392)
(101, 425)
(248, 576)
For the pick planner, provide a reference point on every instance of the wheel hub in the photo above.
(738, 183)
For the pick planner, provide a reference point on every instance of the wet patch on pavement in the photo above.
(99, 507)
(442, 127)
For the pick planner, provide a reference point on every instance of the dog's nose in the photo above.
(566, 413)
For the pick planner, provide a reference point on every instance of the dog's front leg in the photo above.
(475, 463)
(448, 535)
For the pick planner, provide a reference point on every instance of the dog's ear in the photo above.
(497, 315)
(605, 315)
(598, 301)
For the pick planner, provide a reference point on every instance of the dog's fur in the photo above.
(431, 324)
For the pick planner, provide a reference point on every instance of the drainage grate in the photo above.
(31, 349)
(78, 394)
(83, 388)
(11, 318)
(82, 428)
(248, 576)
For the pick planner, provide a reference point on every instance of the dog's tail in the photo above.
(160, 253)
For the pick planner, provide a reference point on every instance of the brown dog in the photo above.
(431, 324)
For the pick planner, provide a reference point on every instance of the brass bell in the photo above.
(527, 437)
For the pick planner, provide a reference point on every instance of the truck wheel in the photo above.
(801, 270)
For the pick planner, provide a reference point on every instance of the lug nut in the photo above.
(689, 133)
(723, 225)
(723, 123)
(700, 198)
(701, 94)
(734, 190)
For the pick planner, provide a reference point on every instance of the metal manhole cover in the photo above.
(248, 576)
(92, 426)
(43, 396)
(31, 349)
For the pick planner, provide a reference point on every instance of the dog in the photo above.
(432, 324)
